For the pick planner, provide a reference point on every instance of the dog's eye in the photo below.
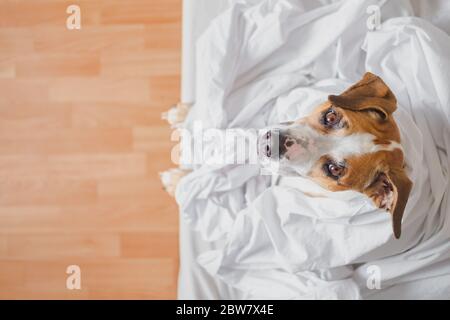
(334, 170)
(331, 118)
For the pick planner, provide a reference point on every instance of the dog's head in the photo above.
(350, 142)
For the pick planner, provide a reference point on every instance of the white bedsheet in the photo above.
(265, 238)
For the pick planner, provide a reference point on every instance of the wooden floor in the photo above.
(81, 145)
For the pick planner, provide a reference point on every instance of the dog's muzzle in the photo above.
(276, 144)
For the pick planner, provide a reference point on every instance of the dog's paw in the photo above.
(176, 115)
(170, 179)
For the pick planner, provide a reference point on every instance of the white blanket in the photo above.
(260, 64)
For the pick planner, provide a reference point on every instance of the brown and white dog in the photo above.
(350, 142)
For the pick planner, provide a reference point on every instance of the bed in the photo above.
(195, 282)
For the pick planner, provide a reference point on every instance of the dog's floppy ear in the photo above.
(390, 191)
(370, 93)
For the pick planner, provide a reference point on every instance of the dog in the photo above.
(349, 142)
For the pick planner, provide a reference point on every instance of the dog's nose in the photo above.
(276, 143)
(288, 146)
(285, 142)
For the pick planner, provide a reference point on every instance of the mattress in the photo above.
(194, 281)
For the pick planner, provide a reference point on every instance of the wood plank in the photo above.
(74, 167)
(89, 39)
(34, 246)
(147, 138)
(15, 42)
(157, 214)
(97, 166)
(171, 39)
(148, 245)
(164, 91)
(66, 141)
(57, 65)
(153, 62)
(23, 190)
(141, 11)
(114, 115)
(7, 69)
(136, 187)
(135, 276)
(34, 116)
(99, 90)
(3, 245)
(22, 90)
